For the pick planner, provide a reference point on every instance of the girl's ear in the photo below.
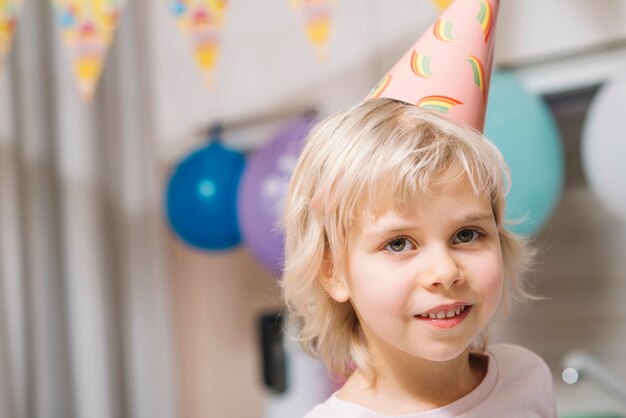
(333, 283)
(336, 288)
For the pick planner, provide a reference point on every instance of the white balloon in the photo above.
(604, 145)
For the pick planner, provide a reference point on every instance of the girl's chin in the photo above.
(444, 352)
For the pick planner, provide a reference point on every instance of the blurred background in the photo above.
(138, 254)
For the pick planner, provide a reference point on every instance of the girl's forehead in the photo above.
(456, 197)
(388, 195)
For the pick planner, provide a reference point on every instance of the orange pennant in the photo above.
(202, 21)
(87, 28)
(317, 16)
(9, 13)
(441, 5)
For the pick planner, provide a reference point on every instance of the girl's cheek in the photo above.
(490, 277)
(495, 281)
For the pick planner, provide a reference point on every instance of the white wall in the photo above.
(532, 30)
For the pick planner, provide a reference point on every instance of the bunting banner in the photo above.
(442, 5)
(202, 21)
(87, 28)
(9, 13)
(317, 17)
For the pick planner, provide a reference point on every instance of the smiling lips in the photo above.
(445, 316)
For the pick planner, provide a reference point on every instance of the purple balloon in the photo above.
(262, 193)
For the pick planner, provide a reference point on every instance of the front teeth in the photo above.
(444, 314)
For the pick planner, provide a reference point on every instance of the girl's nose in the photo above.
(443, 269)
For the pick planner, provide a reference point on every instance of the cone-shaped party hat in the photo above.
(449, 67)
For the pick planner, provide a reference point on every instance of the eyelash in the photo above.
(395, 253)
(478, 231)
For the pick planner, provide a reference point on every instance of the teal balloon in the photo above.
(201, 198)
(521, 126)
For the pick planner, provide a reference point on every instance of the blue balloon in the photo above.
(520, 124)
(202, 198)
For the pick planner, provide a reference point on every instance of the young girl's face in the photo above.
(427, 281)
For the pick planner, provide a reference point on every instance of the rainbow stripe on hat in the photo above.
(443, 30)
(479, 72)
(420, 64)
(380, 87)
(438, 103)
(485, 18)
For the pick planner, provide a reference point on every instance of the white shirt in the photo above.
(518, 384)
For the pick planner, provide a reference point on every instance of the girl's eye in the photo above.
(399, 245)
(467, 235)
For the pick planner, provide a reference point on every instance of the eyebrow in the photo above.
(395, 228)
(477, 217)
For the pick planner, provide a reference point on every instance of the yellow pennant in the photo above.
(441, 5)
(87, 28)
(9, 13)
(317, 17)
(202, 21)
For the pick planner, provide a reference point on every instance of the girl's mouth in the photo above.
(445, 318)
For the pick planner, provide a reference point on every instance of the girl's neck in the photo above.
(423, 386)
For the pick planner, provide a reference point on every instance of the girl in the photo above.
(398, 260)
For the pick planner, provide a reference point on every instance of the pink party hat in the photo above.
(449, 67)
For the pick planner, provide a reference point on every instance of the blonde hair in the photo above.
(378, 155)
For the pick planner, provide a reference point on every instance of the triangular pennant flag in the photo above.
(202, 21)
(448, 69)
(87, 28)
(317, 17)
(442, 4)
(9, 13)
